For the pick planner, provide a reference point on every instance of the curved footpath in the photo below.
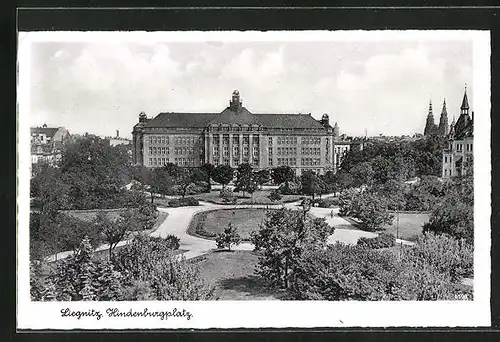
(178, 220)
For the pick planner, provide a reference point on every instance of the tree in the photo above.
(426, 194)
(41, 287)
(285, 235)
(115, 231)
(427, 271)
(95, 173)
(150, 265)
(223, 174)
(208, 169)
(362, 174)
(311, 184)
(455, 214)
(228, 238)
(344, 181)
(393, 192)
(275, 196)
(369, 208)
(244, 179)
(262, 177)
(283, 174)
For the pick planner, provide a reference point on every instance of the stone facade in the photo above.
(236, 136)
(458, 157)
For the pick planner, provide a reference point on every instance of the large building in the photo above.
(236, 136)
(46, 143)
(458, 157)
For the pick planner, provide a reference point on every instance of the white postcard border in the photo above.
(273, 314)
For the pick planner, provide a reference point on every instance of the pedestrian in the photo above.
(331, 214)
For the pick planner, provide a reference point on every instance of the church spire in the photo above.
(430, 126)
(443, 120)
(464, 108)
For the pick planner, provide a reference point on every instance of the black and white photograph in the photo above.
(235, 179)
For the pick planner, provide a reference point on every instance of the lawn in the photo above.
(244, 220)
(232, 274)
(258, 197)
(410, 225)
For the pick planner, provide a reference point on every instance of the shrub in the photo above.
(343, 272)
(384, 240)
(327, 202)
(228, 238)
(172, 242)
(189, 201)
(227, 195)
(289, 188)
(275, 196)
(174, 203)
(451, 256)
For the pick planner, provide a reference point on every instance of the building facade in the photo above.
(458, 157)
(235, 136)
(46, 143)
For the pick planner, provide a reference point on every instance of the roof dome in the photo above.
(325, 116)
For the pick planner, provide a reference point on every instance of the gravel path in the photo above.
(177, 223)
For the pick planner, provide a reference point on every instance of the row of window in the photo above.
(310, 161)
(158, 161)
(287, 140)
(310, 140)
(287, 161)
(159, 150)
(235, 129)
(236, 141)
(287, 151)
(468, 147)
(165, 140)
(311, 150)
(342, 149)
(161, 139)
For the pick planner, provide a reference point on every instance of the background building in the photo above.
(236, 136)
(458, 157)
(46, 143)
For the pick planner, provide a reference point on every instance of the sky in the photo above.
(381, 86)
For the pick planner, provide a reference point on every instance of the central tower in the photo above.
(235, 103)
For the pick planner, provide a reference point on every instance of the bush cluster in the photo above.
(183, 202)
(430, 270)
(172, 242)
(384, 240)
(289, 188)
(327, 202)
(227, 195)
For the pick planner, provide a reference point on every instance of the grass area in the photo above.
(410, 225)
(232, 274)
(90, 215)
(258, 197)
(213, 222)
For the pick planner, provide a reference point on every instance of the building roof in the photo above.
(194, 120)
(242, 117)
(48, 131)
(464, 127)
(465, 101)
(227, 116)
(303, 121)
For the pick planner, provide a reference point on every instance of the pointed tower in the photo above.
(430, 126)
(464, 118)
(443, 121)
(336, 131)
(464, 108)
